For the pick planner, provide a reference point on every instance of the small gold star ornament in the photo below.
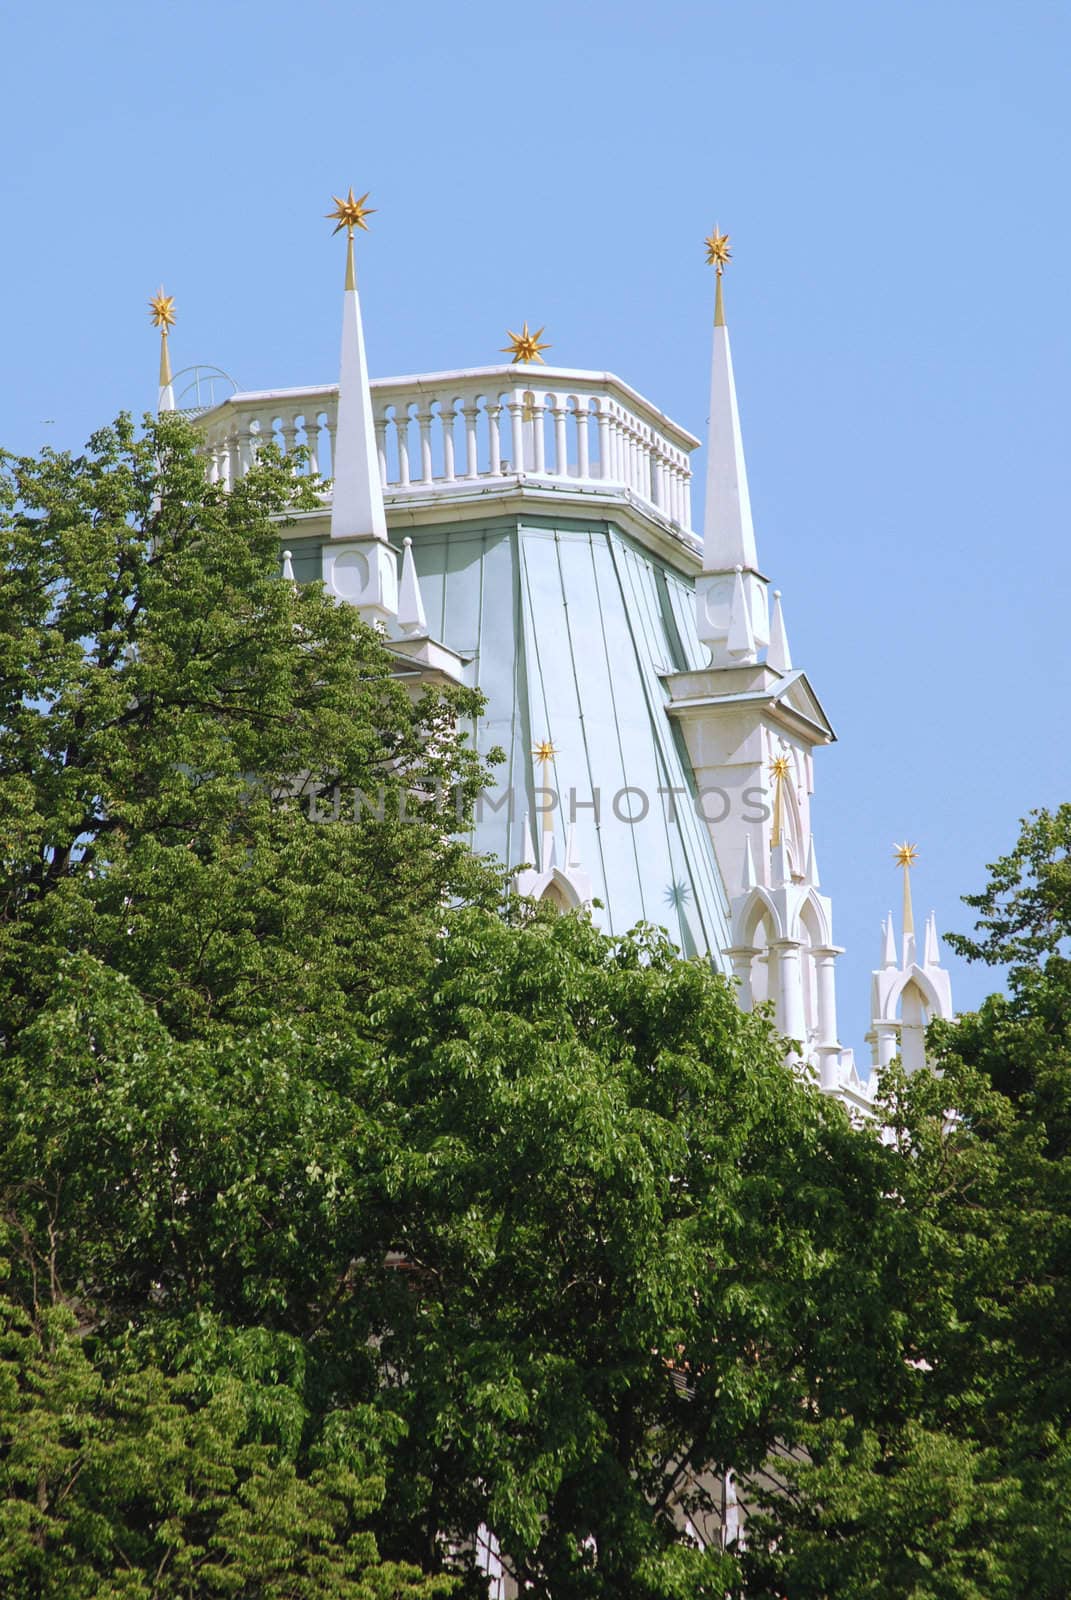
(718, 253)
(544, 751)
(350, 213)
(780, 772)
(524, 346)
(906, 854)
(162, 308)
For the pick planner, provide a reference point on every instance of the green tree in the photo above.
(549, 1244)
(323, 1167)
(962, 1494)
(173, 718)
(130, 1487)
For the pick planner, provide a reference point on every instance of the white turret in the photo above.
(358, 564)
(751, 727)
(907, 995)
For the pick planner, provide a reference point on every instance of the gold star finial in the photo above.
(524, 346)
(350, 213)
(718, 253)
(905, 855)
(544, 751)
(780, 772)
(162, 310)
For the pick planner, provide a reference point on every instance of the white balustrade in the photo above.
(444, 431)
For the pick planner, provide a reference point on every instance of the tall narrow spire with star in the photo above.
(162, 312)
(728, 533)
(906, 856)
(357, 495)
(732, 616)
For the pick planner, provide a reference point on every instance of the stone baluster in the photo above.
(289, 427)
(516, 417)
(329, 431)
(494, 434)
(312, 440)
(629, 441)
(676, 492)
(427, 471)
(686, 501)
(602, 418)
(658, 479)
(561, 437)
(446, 423)
(401, 428)
(472, 457)
(536, 457)
(582, 415)
(243, 450)
(381, 448)
(617, 448)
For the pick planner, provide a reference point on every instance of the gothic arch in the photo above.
(561, 893)
(757, 908)
(814, 920)
(916, 976)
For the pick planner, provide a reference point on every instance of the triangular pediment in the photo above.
(784, 697)
(795, 694)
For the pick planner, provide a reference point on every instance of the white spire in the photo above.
(732, 613)
(728, 532)
(527, 847)
(888, 943)
(779, 656)
(931, 956)
(357, 496)
(812, 866)
(411, 616)
(750, 876)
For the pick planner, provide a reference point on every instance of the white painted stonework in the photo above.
(556, 446)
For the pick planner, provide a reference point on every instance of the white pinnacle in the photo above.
(778, 656)
(411, 616)
(812, 866)
(750, 876)
(728, 533)
(357, 496)
(888, 943)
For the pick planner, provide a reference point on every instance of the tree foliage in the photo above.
(172, 720)
(348, 1207)
(963, 1493)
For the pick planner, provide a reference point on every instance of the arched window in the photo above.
(553, 895)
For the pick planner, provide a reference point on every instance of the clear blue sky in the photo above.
(895, 179)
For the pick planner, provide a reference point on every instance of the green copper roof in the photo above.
(569, 625)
